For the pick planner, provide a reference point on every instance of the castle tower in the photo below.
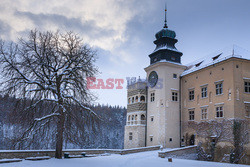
(136, 115)
(163, 107)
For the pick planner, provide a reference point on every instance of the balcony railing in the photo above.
(139, 122)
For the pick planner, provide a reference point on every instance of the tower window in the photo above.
(219, 88)
(170, 139)
(151, 138)
(152, 97)
(136, 99)
(174, 96)
(191, 94)
(174, 76)
(203, 92)
(219, 111)
(142, 99)
(152, 118)
(191, 115)
(130, 135)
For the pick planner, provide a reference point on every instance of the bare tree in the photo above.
(211, 132)
(49, 67)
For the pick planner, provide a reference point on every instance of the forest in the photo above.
(80, 130)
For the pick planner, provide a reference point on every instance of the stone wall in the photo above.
(10, 154)
(138, 136)
(189, 152)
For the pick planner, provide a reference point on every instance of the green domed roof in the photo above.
(165, 33)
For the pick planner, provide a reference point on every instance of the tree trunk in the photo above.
(59, 135)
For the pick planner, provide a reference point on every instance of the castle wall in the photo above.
(232, 99)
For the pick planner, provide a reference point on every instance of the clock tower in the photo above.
(163, 95)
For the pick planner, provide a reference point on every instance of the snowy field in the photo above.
(145, 159)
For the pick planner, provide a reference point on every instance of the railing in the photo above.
(139, 122)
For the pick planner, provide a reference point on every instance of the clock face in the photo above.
(152, 79)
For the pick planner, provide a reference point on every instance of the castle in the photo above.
(162, 109)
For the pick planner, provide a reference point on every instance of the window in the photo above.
(216, 57)
(191, 95)
(174, 96)
(191, 115)
(152, 97)
(152, 119)
(203, 92)
(161, 102)
(204, 113)
(170, 139)
(174, 76)
(136, 99)
(128, 100)
(151, 138)
(143, 119)
(142, 99)
(219, 111)
(130, 135)
(198, 64)
(247, 86)
(133, 99)
(219, 88)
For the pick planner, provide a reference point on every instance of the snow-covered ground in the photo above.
(145, 159)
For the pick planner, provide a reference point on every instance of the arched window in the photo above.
(132, 121)
(136, 119)
(142, 99)
(128, 100)
(192, 140)
(128, 122)
(136, 99)
(133, 99)
(143, 119)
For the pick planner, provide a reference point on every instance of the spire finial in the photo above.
(165, 25)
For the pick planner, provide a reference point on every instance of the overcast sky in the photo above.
(122, 31)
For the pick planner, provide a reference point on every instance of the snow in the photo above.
(224, 54)
(145, 159)
(166, 47)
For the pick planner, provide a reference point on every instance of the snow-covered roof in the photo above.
(165, 47)
(216, 57)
